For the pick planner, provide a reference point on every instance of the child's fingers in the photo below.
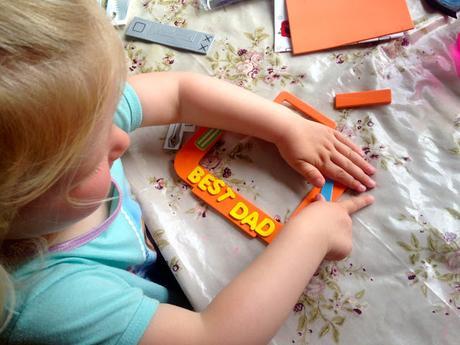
(319, 197)
(311, 174)
(356, 203)
(352, 169)
(340, 137)
(340, 175)
(355, 158)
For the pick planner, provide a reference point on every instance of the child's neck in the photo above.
(83, 226)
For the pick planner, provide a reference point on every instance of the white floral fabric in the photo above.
(401, 284)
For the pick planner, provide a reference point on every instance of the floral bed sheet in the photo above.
(401, 284)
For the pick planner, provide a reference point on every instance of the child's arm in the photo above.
(256, 303)
(310, 148)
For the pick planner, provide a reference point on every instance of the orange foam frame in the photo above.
(215, 192)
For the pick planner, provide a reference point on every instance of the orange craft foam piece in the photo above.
(325, 24)
(216, 193)
(304, 108)
(362, 99)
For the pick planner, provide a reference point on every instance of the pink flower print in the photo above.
(241, 52)
(211, 161)
(269, 79)
(457, 120)
(135, 63)
(339, 59)
(273, 75)
(146, 3)
(227, 172)
(347, 131)
(334, 271)
(298, 307)
(220, 73)
(241, 83)
(168, 60)
(405, 41)
(453, 260)
(456, 287)
(159, 183)
(371, 153)
(180, 22)
(200, 210)
(253, 73)
(255, 57)
(411, 275)
(450, 237)
(356, 306)
(244, 67)
(315, 288)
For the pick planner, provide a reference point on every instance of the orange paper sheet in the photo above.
(323, 24)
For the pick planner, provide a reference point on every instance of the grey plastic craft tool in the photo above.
(173, 137)
(117, 10)
(195, 41)
(188, 127)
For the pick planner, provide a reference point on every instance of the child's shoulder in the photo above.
(129, 110)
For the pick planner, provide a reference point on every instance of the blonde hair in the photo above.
(59, 64)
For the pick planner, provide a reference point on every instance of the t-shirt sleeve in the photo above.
(128, 115)
(89, 308)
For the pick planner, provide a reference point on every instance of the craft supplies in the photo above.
(216, 193)
(282, 31)
(319, 25)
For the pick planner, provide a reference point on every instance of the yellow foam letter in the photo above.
(196, 174)
(266, 222)
(205, 182)
(215, 188)
(251, 220)
(228, 194)
(242, 208)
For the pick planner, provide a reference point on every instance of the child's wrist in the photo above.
(282, 129)
(310, 234)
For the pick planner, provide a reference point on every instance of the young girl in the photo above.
(71, 235)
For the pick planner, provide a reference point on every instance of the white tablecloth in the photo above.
(401, 284)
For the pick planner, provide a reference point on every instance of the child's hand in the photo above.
(332, 221)
(317, 151)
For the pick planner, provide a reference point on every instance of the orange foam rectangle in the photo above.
(362, 99)
(323, 24)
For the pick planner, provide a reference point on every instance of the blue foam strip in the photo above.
(326, 191)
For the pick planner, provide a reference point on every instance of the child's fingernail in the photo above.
(372, 183)
(318, 181)
(319, 197)
(361, 188)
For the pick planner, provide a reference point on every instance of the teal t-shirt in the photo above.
(90, 290)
